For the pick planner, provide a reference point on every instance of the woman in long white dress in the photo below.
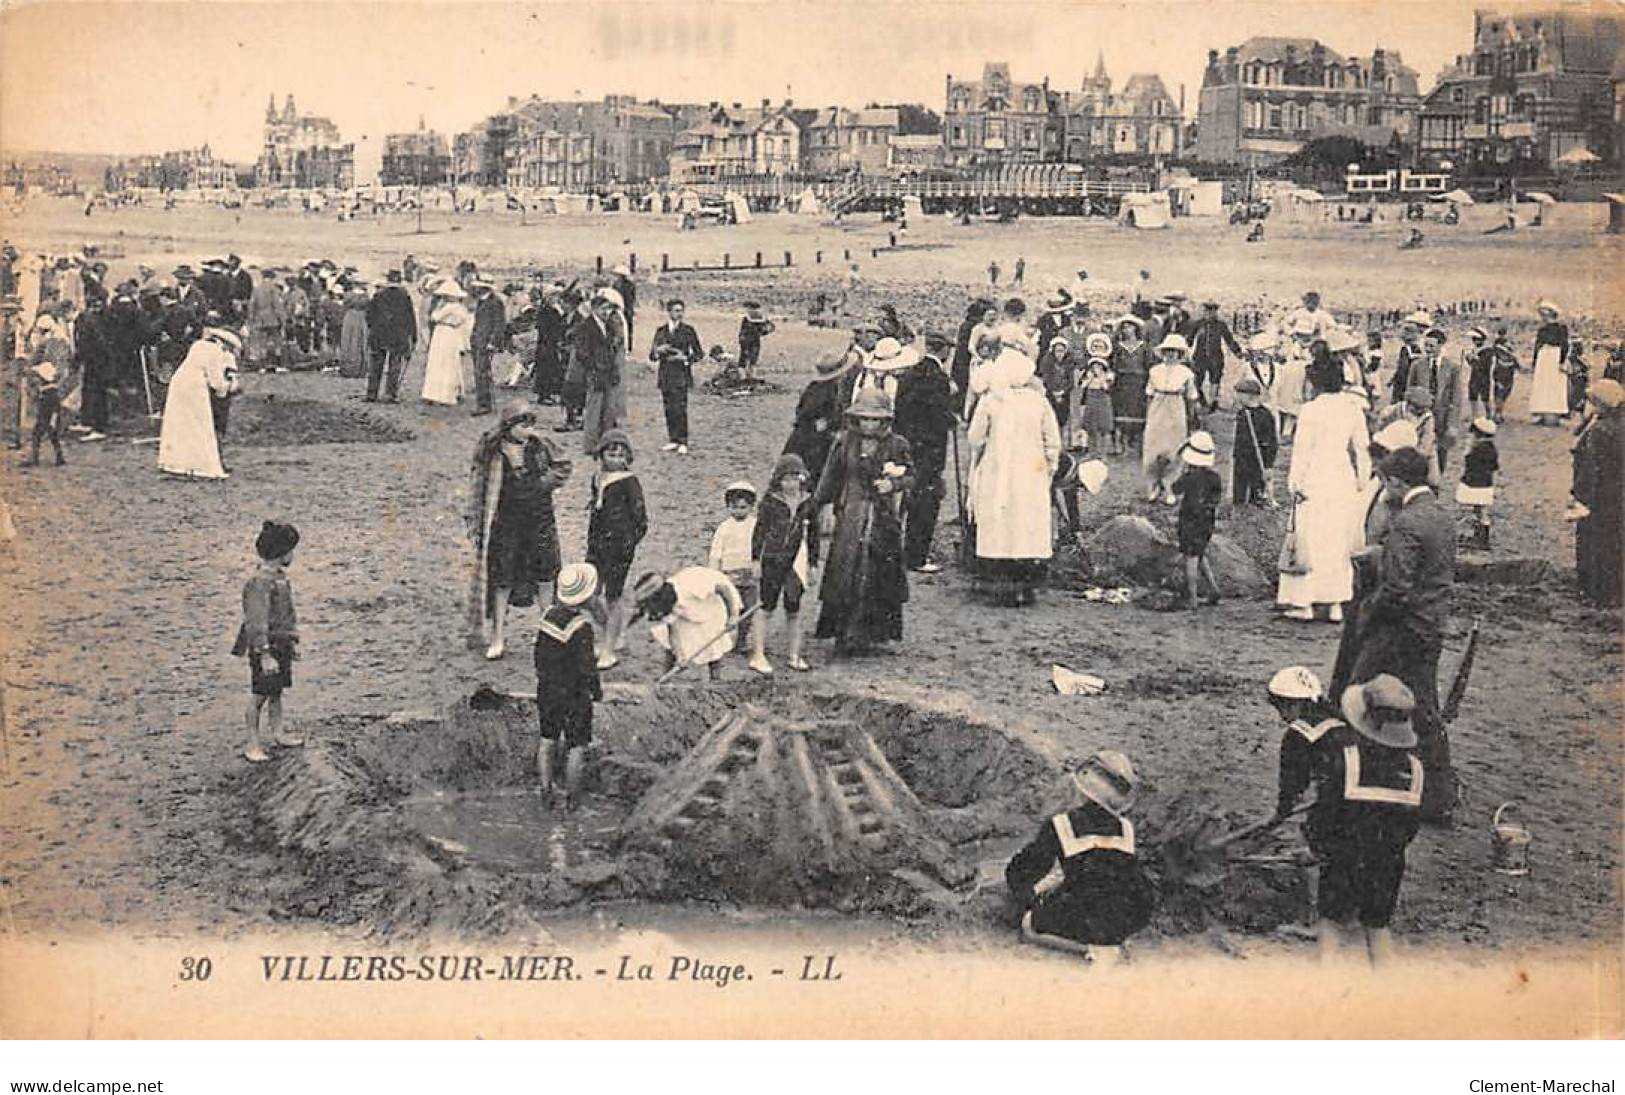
(187, 444)
(449, 326)
(1331, 464)
(1170, 388)
(1549, 394)
(1015, 448)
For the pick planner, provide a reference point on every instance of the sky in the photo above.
(144, 76)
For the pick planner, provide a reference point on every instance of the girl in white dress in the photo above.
(187, 444)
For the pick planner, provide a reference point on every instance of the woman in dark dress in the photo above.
(818, 415)
(1131, 361)
(510, 520)
(865, 584)
(1599, 495)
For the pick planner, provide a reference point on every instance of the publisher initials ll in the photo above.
(810, 970)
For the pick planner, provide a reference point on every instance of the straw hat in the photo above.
(1134, 321)
(447, 289)
(1400, 434)
(1092, 475)
(226, 338)
(1175, 342)
(1419, 318)
(1341, 340)
(890, 355)
(1607, 394)
(1484, 426)
(1098, 345)
(1380, 709)
(1198, 450)
(1549, 306)
(577, 583)
(609, 296)
(1108, 779)
(1296, 682)
(871, 403)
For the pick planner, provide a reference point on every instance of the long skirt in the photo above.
(1165, 431)
(1098, 418)
(872, 610)
(1549, 394)
(353, 344)
(1597, 557)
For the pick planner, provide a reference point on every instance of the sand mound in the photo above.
(269, 421)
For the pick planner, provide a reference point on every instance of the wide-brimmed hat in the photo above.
(649, 584)
(1133, 321)
(1549, 306)
(614, 437)
(1398, 434)
(1092, 475)
(1478, 332)
(1198, 450)
(1296, 682)
(449, 289)
(228, 339)
(1607, 394)
(1419, 318)
(1366, 705)
(515, 411)
(609, 296)
(889, 355)
(275, 540)
(1060, 302)
(1341, 340)
(1108, 779)
(577, 583)
(871, 403)
(1174, 341)
(1484, 426)
(834, 365)
(1097, 345)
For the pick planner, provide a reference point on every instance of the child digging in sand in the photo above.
(269, 636)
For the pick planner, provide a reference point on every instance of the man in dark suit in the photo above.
(1209, 337)
(1402, 620)
(489, 335)
(1442, 374)
(676, 350)
(599, 355)
(242, 287)
(925, 416)
(93, 352)
(392, 334)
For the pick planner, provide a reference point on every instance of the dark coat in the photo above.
(1417, 568)
(566, 672)
(550, 329)
(1598, 485)
(392, 323)
(677, 352)
(925, 415)
(1209, 338)
(598, 355)
(818, 417)
(490, 332)
(865, 583)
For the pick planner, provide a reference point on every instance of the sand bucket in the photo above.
(1509, 843)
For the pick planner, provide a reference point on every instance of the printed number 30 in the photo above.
(196, 969)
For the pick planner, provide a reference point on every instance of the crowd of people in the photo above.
(1043, 402)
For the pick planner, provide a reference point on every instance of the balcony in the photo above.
(1476, 131)
(1517, 130)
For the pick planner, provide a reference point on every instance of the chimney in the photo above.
(1181, 98)
(1212, 58)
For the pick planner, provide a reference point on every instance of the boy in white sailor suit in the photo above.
(1368, 798)
(1103, 895)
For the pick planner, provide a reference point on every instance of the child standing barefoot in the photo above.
(615, 527)
(1199, 490)
(785, 549)
(269, 636)
(731, 544)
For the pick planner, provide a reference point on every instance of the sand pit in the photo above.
(270, 420)
(739, 796)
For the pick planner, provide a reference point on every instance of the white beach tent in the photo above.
(807, 203)
(739, 207)
(1144, 210)
(1457, 197)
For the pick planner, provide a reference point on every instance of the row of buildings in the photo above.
(1535, 89)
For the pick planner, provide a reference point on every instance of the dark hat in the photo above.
(613, 437)
(1248, 386)
(185, 271)
(275, 540)
(788, 464)
(1407, 465)
(752, 304)
(937, 338)
(1211, 305)
(393, 275)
